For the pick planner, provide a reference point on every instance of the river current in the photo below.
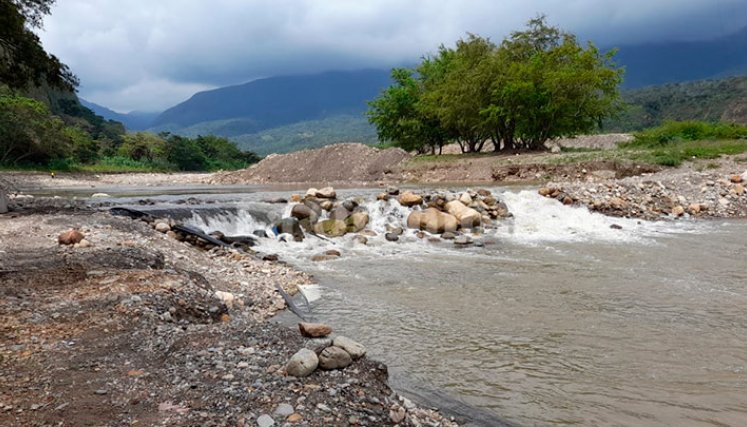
(558, 319)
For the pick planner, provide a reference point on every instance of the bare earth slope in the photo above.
(339, 163)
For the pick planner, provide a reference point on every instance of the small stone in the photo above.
(360, 239)
(314, 330)
(391, 237)
(162, 227)
(334, 358)
(462, 240)
(101, 392)
(616, 227)
(99, 195)
(409, 199)
(70, 237)
(545, 192)
(265, 420)
(392, 190)
(353, 348)
(738, 189)
(448, 235)
(678, 211)
(284, 410)
(85, 244)
(323, 407)
(397, 414)
(694, 208)
(333, 252)
(294, 418)
(303, 363)
(736, 179)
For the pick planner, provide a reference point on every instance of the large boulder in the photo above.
(303, 363)
(466, 217)
(409, 199)
(291, 226)
(357, 222)
(326, 193)
(331, 227)
(432, 220)
(302, 212)
(314, 206)
(340, 213)
(4, 203)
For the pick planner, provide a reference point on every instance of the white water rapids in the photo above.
(557, 319)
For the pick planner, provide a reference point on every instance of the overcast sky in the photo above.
(151, 54)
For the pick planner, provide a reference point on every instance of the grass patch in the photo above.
(676, 132)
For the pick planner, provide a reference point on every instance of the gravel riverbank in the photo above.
(126, 327)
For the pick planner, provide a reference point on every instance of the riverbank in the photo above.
(126, 327)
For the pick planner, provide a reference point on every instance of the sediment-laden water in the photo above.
(558, 319)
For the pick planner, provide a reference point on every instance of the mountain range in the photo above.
(299, 109)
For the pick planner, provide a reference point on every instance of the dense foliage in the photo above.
(673, 132)
(538, 84)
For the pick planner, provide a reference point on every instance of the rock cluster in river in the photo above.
(651, 197)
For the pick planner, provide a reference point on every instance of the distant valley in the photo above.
(288, 113)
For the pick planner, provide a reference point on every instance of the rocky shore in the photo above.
(108, 320)
(717, 191)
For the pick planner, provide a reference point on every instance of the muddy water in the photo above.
(558, 319)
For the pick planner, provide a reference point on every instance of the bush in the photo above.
(672, 131)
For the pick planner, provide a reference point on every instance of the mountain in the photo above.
(135, 120)
(668, 62)
(708, 100)
(276, 101)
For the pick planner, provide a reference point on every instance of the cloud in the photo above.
(146, 55)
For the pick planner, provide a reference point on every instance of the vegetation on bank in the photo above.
(538, 84)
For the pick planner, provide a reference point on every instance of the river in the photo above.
(558, 319)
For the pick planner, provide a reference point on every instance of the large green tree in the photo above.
(23, 61)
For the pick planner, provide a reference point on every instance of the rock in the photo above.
(369, 233)
(331, 227)
(617, 203)
(736, 179)
(382, 196)
(84, 244)
(303, 363)
(314, 330)
(432, 220)
(327, 205)
(357, 221)
(294, 418)
(678, 211)
(284, 410)
(355, 350)
(4, 202)
(311, 192)
(545, 192)
(350, 205)
(616, 227)
(70, 237)
(296, 198)
(466, 217)
(448, 235)
(226, 298)
(260, 233)
(694, 208)
(333, 252)
(490, 201)
(302, 211)
(738, 189)
(334, 358)
(392, 190)
(360, 239)
(314, 205)
(99, 195)
(265, 420)
(326, 193)
(410, 199)
(395, 229)
(391, 237)
(162, 227)
(291, 226)
(466, 199)
(339, 213)
(484, 193)
(463, 240)
(323, 257)
(397, 414)
(567, 200)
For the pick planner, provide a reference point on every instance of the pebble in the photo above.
(284, 410)
(265, 420)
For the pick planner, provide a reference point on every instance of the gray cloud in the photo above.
(149, 55)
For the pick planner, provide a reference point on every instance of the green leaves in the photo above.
(538, 84)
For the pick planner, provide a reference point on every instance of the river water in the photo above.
(558, 320)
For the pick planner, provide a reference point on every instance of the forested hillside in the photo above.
(707, 100)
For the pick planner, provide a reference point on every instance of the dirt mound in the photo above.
(330, 164)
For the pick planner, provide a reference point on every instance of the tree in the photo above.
(23, 61)
(29, 133)
(143, 146)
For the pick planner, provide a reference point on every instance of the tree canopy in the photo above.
(538, 84)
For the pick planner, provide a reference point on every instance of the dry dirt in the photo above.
(339, 163)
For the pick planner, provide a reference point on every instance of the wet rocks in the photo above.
(410, 199)
(304, 212)
(466, 216)
(303, 363)
(162, 227)
(432, 220)
(70, 237)
(353, 348)
(334, 357)
(291, 226)
(331, 227)
(356, 222)
(314, 330)
(391, 237)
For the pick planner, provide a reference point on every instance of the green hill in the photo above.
(707, 100)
